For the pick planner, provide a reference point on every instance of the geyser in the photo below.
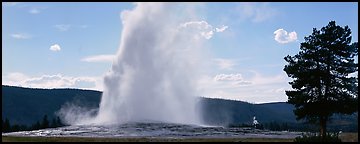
(153, 77)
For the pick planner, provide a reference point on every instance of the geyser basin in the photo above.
(168, 130)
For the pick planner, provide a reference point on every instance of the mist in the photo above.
(154, 74)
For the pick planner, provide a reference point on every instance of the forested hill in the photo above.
(220, 111)
(28, 105)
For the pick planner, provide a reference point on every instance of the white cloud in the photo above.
(66, 27)
(55, 47)
(99, 58)
(62, 27)
(197, 24)
(242, 83)
(203, 28)
(257, 12)
(282, 36)
(207, 35)
(20, 36)
(234, 80)
(52, 81)
(226, 64)
(34, 11)
(223, 28)
(255, 88)
(228, 77)
(16, 76)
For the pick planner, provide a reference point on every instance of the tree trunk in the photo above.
(323, 127)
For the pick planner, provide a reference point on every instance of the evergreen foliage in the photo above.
(322, 84)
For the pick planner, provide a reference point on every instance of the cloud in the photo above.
(256, 12)
(16, 76)
(235, 79)
(66, 27)
(55, 47)
(226, 64)
(255, 88)
(228, 77)
(223, 28)
(283, 37)
(208, 34)
(62, 27)
(20, 36)
(99, 58)
(243, 83)
(34, 11)
(52, 81)
(197, 24)
(203, 28)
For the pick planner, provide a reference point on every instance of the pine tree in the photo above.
(45, 122)
(58, 121)
(6, 127)
(53, 123)
(322, 85)
(36, 126)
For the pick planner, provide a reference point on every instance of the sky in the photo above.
(72, 45)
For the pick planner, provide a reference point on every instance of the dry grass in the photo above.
(349, 137)
(345, 137)
(142, 139)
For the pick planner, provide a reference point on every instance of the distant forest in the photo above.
(45, 123)
(29, 109)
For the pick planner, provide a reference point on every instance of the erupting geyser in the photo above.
(153, 75)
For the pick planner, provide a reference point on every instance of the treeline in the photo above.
(19, 109)
(45, 123)
(277, 126)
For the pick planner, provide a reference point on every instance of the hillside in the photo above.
(28, 105)
(229, 111)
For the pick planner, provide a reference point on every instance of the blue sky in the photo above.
(56, 45)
